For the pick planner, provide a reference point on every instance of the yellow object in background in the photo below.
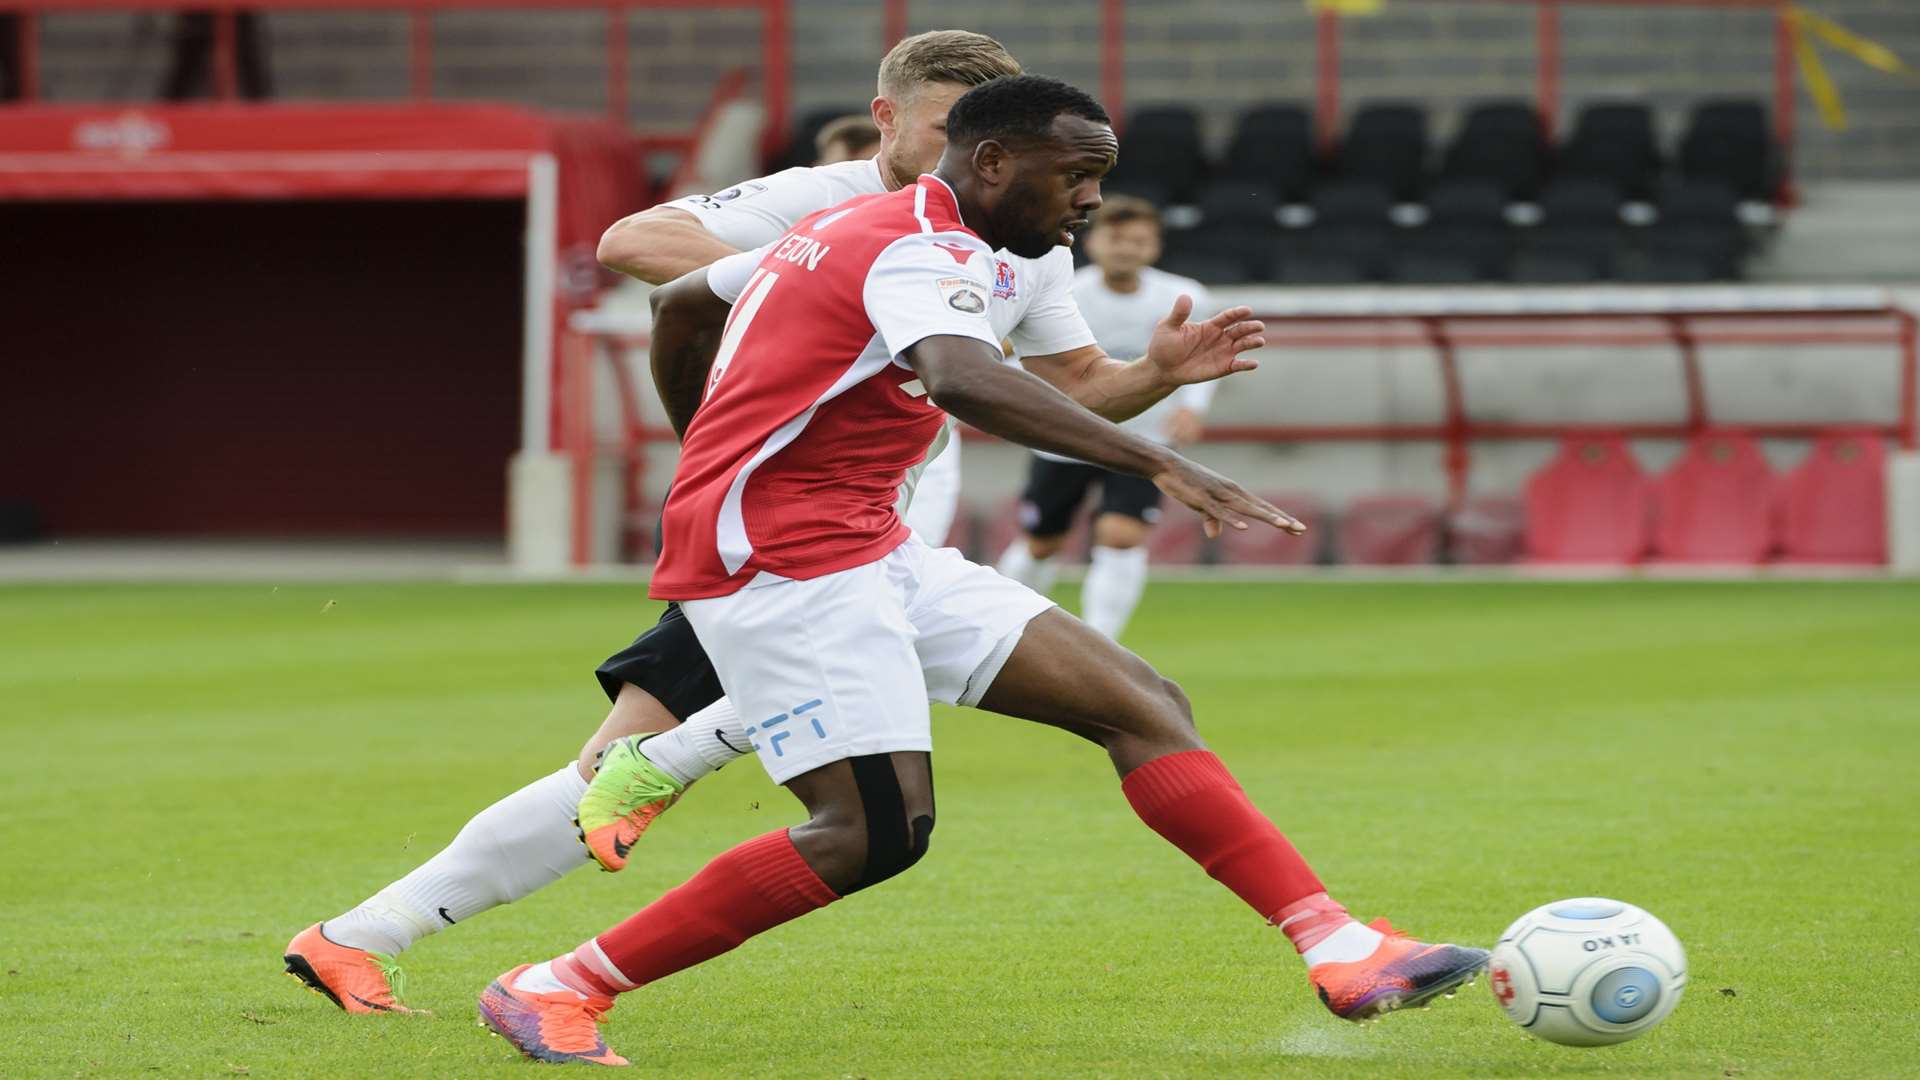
(1346, 7)
(1806, 27)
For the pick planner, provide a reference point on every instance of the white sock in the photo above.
(1114, 583)
(540, 979)
(1019, 564)
(522, 843)
(702, 745)
(1354, 941)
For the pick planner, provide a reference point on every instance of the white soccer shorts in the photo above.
(936, 498)
(843, 665)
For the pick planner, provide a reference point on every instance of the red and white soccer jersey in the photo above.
(811, 419)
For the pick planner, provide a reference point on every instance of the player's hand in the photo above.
(1190, 352)
(1221, 503)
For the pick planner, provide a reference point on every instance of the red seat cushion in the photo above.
(1589, 504)
(1715, 504)
(1487, 529)
(1263, 544)
(1389, 530)
(1834, 503)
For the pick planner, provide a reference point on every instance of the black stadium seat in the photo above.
(1699, 219)
(1273, 143)
(1387, 143)
(1613, 141)
(1367, 247)
(1577, 200)
(1247, 245)
(1206, 269)
(1482, 246)
(1428, 268)
(1320, 268)
(1666, 267)
(1356, 201)
(1547, 268)
(1467, 201)
(1729, 141)
(1237, 200)
(1596, 246)
(1499, 142)
(1160, 147)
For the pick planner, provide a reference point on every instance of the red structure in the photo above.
(1716, 504)
(1591, 504)
(1834, 506)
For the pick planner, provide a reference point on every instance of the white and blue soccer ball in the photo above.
(1588, 971)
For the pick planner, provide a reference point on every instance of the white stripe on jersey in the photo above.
(730, 531)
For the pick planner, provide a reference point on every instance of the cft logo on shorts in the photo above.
(774, 738)
(1003, 286)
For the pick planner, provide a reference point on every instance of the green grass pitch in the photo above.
(193, 773)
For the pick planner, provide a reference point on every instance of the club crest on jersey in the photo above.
(962, 294)
(1002, 280)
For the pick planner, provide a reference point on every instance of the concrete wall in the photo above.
(1218, 54)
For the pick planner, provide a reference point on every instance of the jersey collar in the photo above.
(939, 189)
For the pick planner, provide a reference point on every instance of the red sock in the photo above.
(749, 890)
(1191, 799)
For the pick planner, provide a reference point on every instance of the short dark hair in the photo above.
(1018, 107)
(1122, 209)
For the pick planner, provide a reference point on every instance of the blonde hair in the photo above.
(943, 56)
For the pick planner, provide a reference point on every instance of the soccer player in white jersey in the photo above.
(663, 681)
(1122, 296)
(810, 374)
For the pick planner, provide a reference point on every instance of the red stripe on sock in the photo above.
(748, 890)
(1193, 801)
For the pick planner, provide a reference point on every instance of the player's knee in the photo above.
(891, 852)
(1119, 531)
(1045, 547)
(1178, 703)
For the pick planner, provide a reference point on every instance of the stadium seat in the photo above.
(1274, 144)
(1483, 248)
(1239, 201)
(1178, 539)
(1834, 503)
(1389, 530)
(1161, 146)
(1554, 268)
(1248, 245)
(1428, 268)
(1366, 247)
(1589, 252)
(1387, 143)
(1271, 547)
(1206, 269)
(1140, 187)
(1467, 201)
(1715, 503)
(1666, 268)
(1353, 201)
(1486, 529)
(1590, 504)
(1715, 249)
(1501, 143)
(1581, 200)
(1319, 268)
(1728, 141)
(1613, 141)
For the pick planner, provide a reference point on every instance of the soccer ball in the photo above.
(1588, 971)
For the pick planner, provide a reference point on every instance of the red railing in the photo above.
(775, 32)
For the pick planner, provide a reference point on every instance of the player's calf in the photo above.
(871, 818)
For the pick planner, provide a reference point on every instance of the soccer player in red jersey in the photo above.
(830, 358)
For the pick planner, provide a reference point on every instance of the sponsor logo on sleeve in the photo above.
(739, 191)
(963, 294)
(1003, 286)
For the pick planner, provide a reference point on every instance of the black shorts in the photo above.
(1055, 490)
(667, 662)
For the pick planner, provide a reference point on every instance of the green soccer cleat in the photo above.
(626, 794)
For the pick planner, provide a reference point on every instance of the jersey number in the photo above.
(751, 298)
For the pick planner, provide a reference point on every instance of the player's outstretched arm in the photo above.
(1180, 353)
(688, 321)
(659, 245)
(964, 377)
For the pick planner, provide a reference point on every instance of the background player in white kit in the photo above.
(1122, 297)
(528, 839)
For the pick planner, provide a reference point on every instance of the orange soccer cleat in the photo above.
(354, 979)
(1399, 973)
(557, 1028)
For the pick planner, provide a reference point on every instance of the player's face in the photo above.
(1055, 185)
(1124, 249)
(914, 131)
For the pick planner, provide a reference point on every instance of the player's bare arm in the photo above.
(688, 320)
(659, 245)
(963, 376)
(1181, 352)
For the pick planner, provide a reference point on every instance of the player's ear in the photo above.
(991, 161)
(883, 116)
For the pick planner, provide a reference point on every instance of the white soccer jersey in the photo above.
(1123, 324)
